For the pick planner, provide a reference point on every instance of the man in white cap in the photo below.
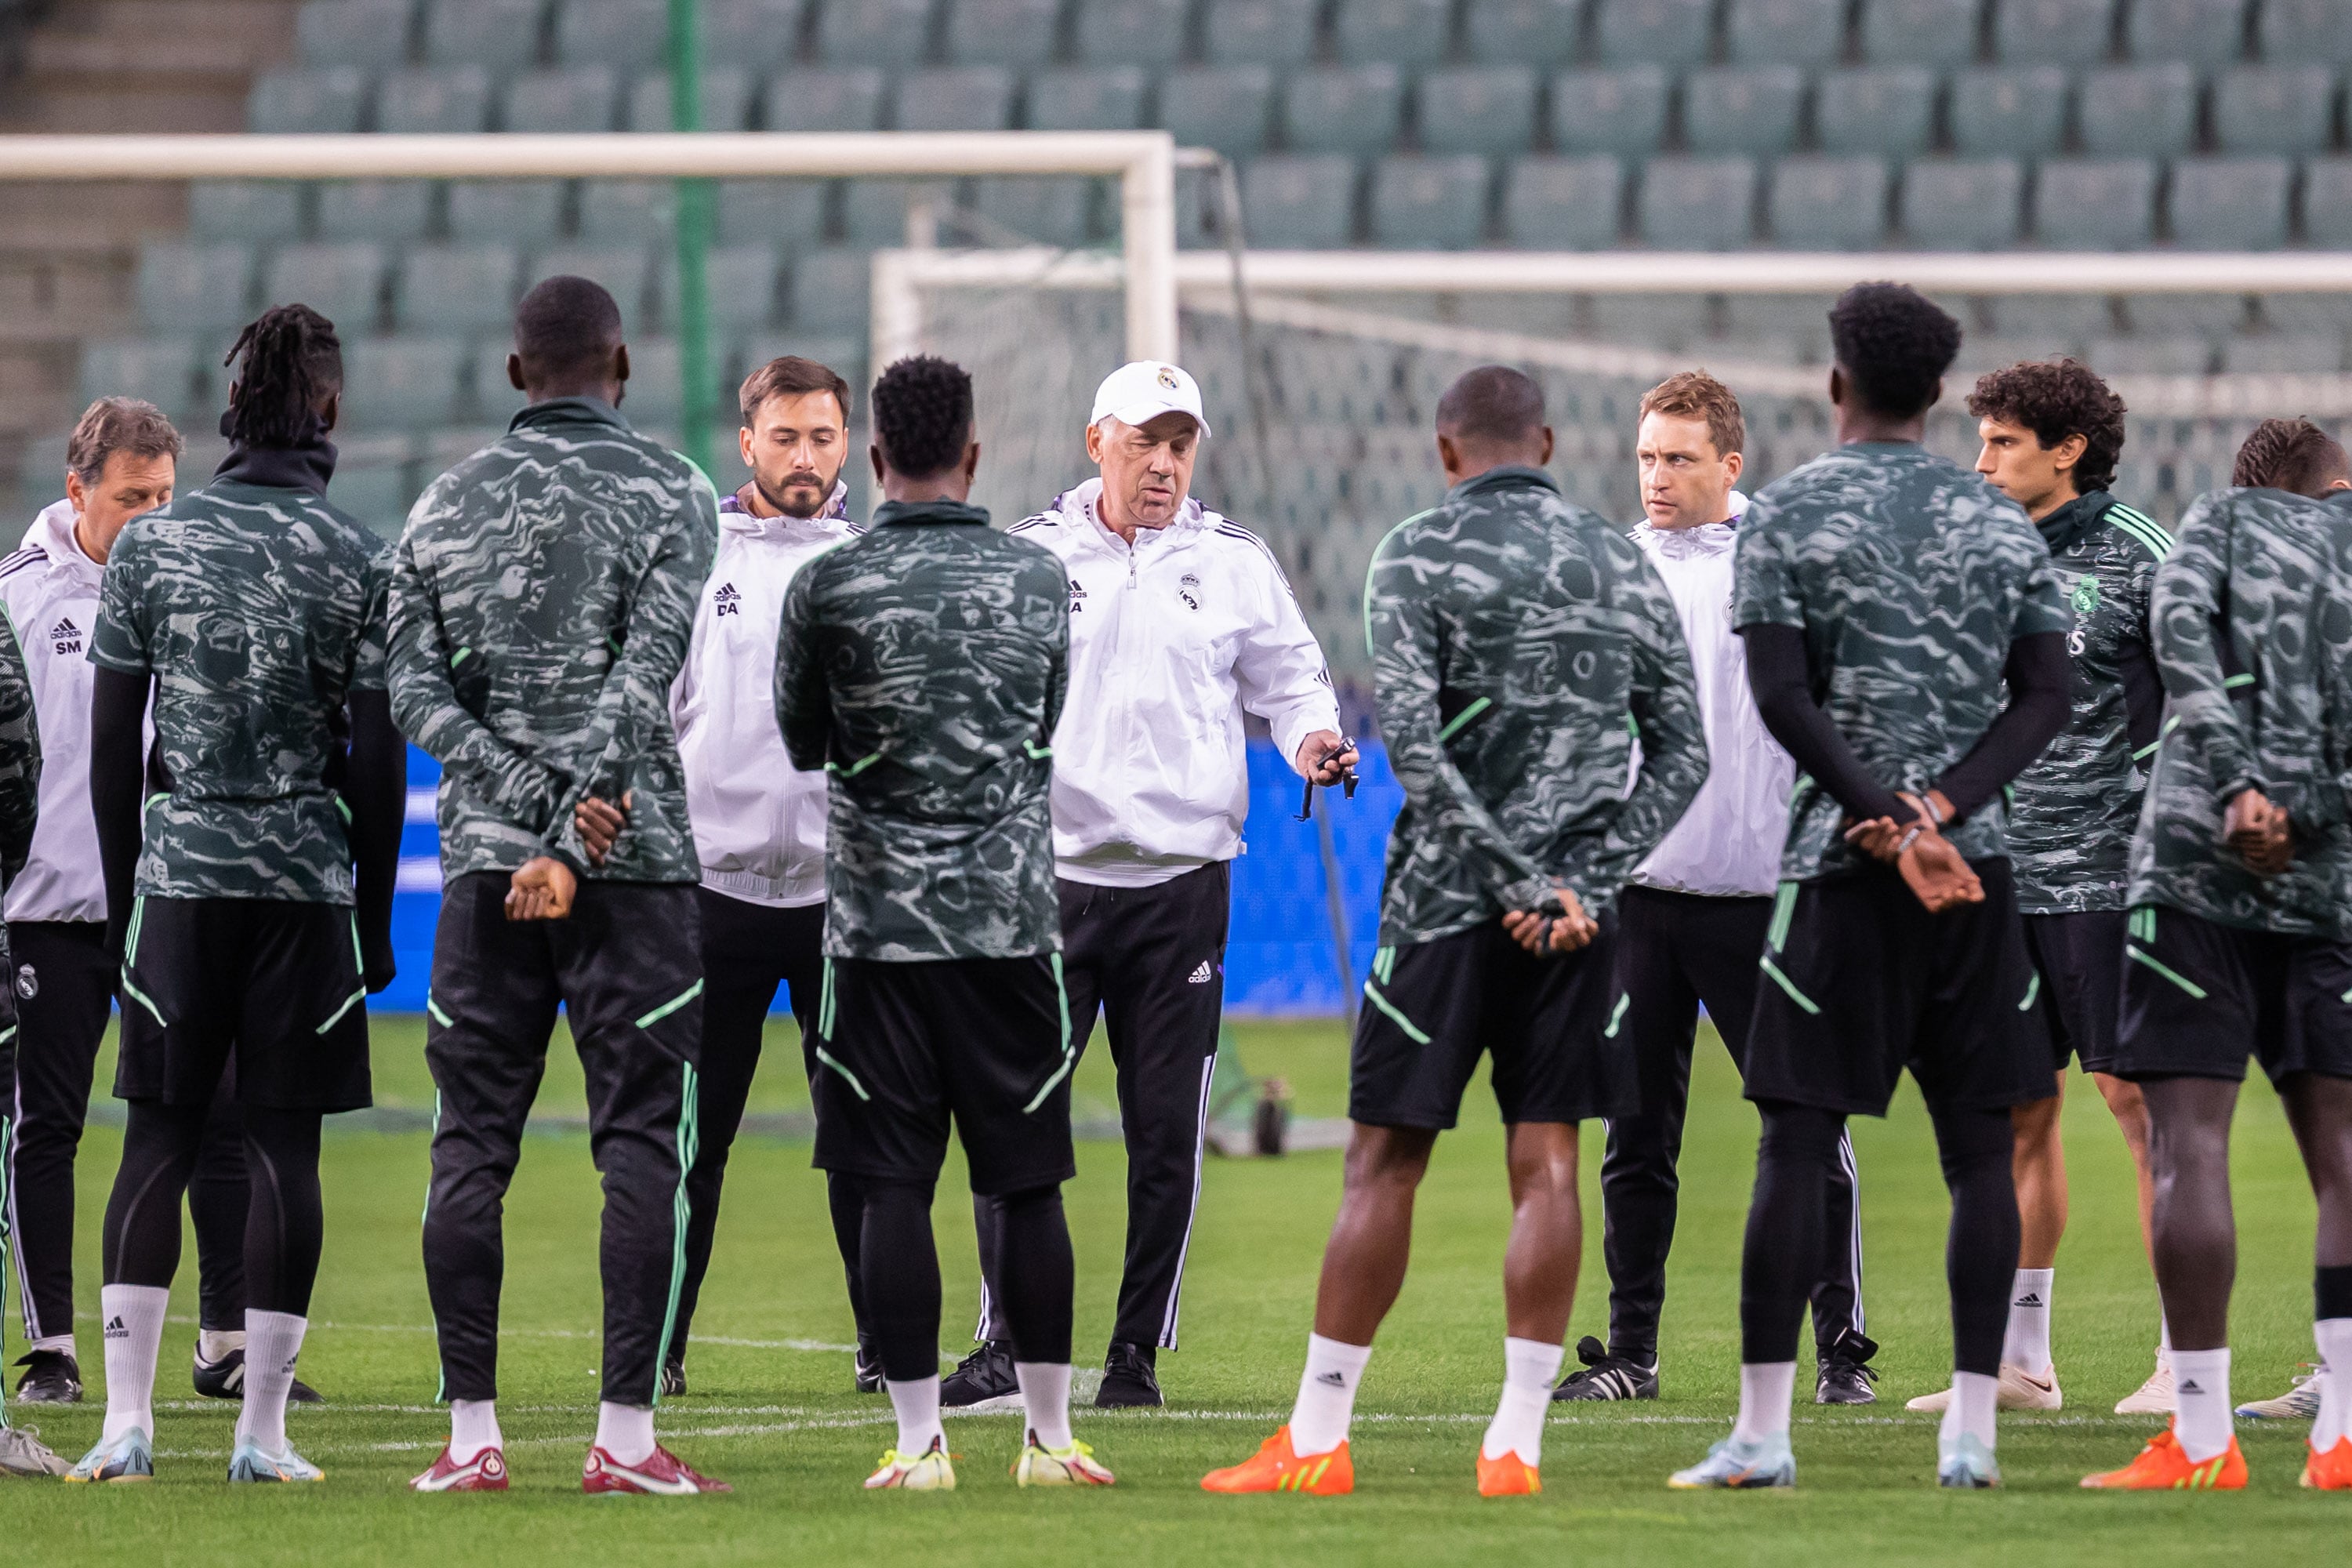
(1180, 621)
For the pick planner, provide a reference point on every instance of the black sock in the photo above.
(1036, 1271)
(2331, 1292)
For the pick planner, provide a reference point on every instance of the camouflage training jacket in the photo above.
(1517, 642)
(923, 667)
(543, 596)
(2072, 812)
(1910, 577)
(2252, 620)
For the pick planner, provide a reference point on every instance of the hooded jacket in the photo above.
(48, 587)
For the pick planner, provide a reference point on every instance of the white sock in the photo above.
(56, 1344)
(1765, 1390)
(2163, 1340)
(1975, 1396)
(2200, 1394)
(473, 1426)
(626, 1431)
(2026, 1346)
(1530, 1368)
(2334, 1336)
(214, 1344)
(133, 1316)
(1326, 1395)
(272, 1341)
(917, 1403)
(1045, 1400)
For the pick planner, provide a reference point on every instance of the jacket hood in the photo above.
(734, 517)
(53, 531)
(1076, 506)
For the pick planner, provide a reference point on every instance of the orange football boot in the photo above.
(1275, 1468)
(2163, 1466)
(2331, 1471)
(1509, 1476)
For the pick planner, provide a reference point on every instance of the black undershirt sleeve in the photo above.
(1784, 697)
(118, 715)
(2143, 697)
(2040, 675)
(375, 786)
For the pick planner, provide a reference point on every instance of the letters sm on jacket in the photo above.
(1170, 639)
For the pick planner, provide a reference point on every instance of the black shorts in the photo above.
(903, 1048)
(265, 988)
(2199, 998)
(1861, 982)
(2078, 963)
(1554, 1024)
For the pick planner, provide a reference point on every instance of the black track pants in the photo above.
(627, 969)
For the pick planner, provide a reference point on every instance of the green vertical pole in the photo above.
(694, 214)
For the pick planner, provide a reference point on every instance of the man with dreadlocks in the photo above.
(248, 940)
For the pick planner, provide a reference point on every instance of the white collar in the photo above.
(1078, 506)
(53, 531)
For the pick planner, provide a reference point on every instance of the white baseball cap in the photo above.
(1140, 392)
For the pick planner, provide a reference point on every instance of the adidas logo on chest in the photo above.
(65, 636)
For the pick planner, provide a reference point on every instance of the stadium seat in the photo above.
(1982, 352)
(788, 212)
(1698, 204)
(1082, 98)
(1400, 32)
(622, 270)
(1478, 109)
(2273, 108)
(396, 210)
(2212, 315)
(628, 211)
(2307, 31)
(342, 280)
(2145, 353)
(829, 291)
(2062, 319)
(1653, 32)
(2327, 203)
(1667, 321)
(1522, 32)
(2284, 353)
(1259, 32)
(2200, 32)
(874, 212)
(1299, 201)
(510, 212)
(1786, 32)
(1889, 110)
(403, 382)
(1222, 107)
(874, 32)
(574, 98)
(2330, 314)
(1564, 203)
(160, 369)
(1056, 211)
(2148, 111)
(369, 34)
(836, 98)
(1132, 32)
(1827, 204)
(1343, 108)
(1609, 110)
(2231, 204)
(1962, 203)
(656, 383)
(750, 35)
(1782, 316)
(372, 481)
(2095, 204)
(295, 102)
(726, 100)
(456, 288)
(255, 211)
(1742, 108)
(2053, 32)
(488, 35)
(2017, 111)
(955, 98)
(1920, 32)
(1002, 32)
(435, 99)
(741, 284)
(846, 355)
(1429, 203)
(627, 34)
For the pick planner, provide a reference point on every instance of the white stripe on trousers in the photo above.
(1854, 1241)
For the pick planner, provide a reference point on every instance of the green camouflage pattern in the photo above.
(258, 609)
(2275, 713)
(1517, 641)
(543, 596)
(1909, 577)
(923, 666)
(2072, 812)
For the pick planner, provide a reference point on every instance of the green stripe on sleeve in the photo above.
(1455, 724)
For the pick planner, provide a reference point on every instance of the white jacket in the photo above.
(49, 588)
(1728, 842)
(759, 822)
(1170, 640)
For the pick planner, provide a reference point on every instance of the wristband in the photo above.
(1902, 844)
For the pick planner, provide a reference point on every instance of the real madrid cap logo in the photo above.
(1167, 377)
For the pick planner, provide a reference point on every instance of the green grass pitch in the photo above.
(771, 1413)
